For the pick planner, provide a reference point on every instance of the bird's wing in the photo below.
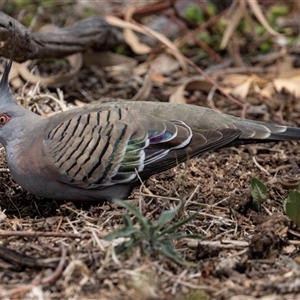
(103, 148)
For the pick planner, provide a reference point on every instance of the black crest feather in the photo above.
(4, 85)
(4, 79)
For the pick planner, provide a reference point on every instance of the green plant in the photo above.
(276, 11)
(198, 295)
(291, 206)
(152, 237)
(258, 193)
(194, 14)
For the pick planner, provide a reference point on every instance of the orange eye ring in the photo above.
(3, 119)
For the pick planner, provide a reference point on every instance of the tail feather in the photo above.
(290, 134)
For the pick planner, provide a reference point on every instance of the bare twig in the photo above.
(259, 166)
(93, 33)
(50, 278)
(21, 259)
(35, 234)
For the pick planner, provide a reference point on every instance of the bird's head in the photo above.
(13, 117)
(7, 102)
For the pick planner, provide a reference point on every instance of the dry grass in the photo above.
(55, 250)
(244, 253)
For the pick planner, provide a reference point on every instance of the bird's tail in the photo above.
(255, 131)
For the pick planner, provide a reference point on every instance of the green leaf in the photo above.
(123, 232)
(165, 217)
(125, 247)
(142, 220)
(176, 225)
(167, 249)
(291, 207)
(148, 236)
(258, 193)
(126, 220)
(194, 13)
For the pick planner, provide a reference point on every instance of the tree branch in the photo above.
(93, 33)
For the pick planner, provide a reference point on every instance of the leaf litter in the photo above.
(246, 254)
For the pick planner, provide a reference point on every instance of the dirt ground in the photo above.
(245, 254)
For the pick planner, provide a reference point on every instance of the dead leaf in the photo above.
(14, 78)
(234, 79)
(191, 84)
(242, 90)
(165, 64)
(232, 23)
(74, 60)
(158, 78)
(145, 90)
(260, 16)
(109, 61)
(2, 216)
(286, 69)
(288, 78)
(291, 85)
(267, 91)
(131, 38)
(145, 30)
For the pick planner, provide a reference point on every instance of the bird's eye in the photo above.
(3, 119)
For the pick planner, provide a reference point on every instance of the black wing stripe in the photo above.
(112, 156)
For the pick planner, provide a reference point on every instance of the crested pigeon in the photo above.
(100, 152)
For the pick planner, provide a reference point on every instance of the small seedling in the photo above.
(291, 206)
(258, 193)
(152, 237)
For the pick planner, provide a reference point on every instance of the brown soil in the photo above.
(245, 254)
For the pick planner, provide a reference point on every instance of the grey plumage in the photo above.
(96, 152)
